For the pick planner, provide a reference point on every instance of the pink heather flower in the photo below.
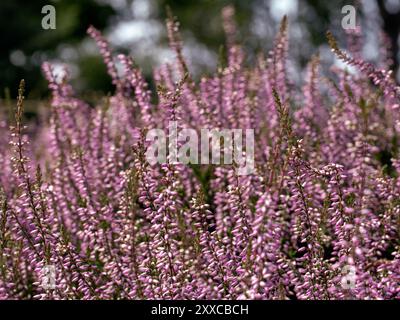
(81, 197)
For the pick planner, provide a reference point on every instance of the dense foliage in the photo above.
(79, 195)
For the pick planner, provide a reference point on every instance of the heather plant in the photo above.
(318, 219)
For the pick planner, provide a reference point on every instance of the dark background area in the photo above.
(137, 27)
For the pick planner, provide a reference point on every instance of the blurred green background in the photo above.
(137, 27)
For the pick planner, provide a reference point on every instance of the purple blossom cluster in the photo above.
(80, 195)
